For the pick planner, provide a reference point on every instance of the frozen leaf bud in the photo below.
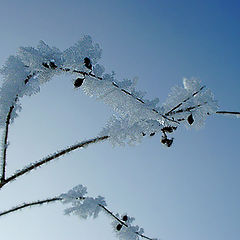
(87, 63)
(45, 65)
(119, 227)
(190, 119)
(52, 65)
(78, 82)
(125, 218)
(166, 141)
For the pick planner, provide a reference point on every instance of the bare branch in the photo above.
(229, 113)
(52, 157)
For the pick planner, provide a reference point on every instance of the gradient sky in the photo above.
(188, 192)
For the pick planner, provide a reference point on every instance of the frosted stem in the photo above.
(52, 157)
(113, 83)
(56, 199)
(185, 100)
(25, 205)
(4, 157)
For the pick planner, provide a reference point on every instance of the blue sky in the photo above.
(190, 191)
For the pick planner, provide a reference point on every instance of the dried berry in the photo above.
(152, 134)
(87, 63)
(78, 82)
(52, 65)
(125, 218)
(45, 65)
(190, 119)
(119, 227)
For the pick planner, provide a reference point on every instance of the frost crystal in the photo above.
(129, 232)
(83, 207)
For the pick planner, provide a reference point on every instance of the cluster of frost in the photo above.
(195, 99)
(82, 206)
(22, 74)
(129, 232)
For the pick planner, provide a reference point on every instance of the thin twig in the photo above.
(185, 100)
(4, 157)
(25, 205)
(113, 83)
(55, 199)
(51, 157)
(227, 112)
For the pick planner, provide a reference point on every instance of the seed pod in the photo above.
(190, 119)
(45, 65)
(52, 65)
(119, 227)
(125, 218)
(78, 82)
(87, 63)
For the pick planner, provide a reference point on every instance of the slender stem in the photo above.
(5, 144)
(185, 100)
(113, 83)
(25, 205)
(56, 199)
(4, 157)
(227, 112)
(51, 157)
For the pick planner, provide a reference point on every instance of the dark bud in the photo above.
(45, 65)
(119, 227)
(52, 65)
(125, 218)
(190, 119)
(152, 134)
(144, 134)
(78, 82)
(166, 141)
(169, 129)
(87, 63)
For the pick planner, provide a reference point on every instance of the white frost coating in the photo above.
(83, 207)
(129, 232)
(121, 132)
(124, 104)
(14, 73)
(29, 61)
(74, 56)
(200, 105)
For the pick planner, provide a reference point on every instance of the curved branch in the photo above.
(50, 158)
(90, 74)
(4, 157)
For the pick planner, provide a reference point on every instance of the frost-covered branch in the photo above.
(85, 207)
(48, 159)
(5, 134)
(26, 205)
